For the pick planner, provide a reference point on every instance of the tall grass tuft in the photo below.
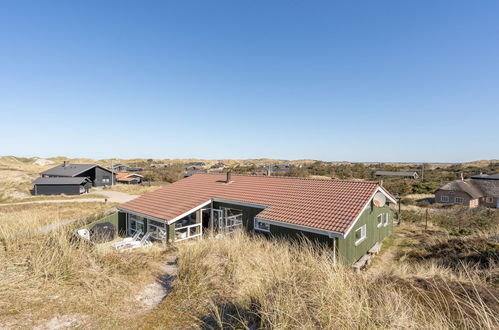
(252, 282)
(46, 274)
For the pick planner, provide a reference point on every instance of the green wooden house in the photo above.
(349, 216)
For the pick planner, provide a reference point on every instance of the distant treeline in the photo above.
(430, 178)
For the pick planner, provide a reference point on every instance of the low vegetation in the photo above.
(48, 277)
(59, 197)
(168, 174)
(16, 173)
(439, 270)
(457, 220)
(24, 218)
(252, 282)
(137, 189)
(243, 281)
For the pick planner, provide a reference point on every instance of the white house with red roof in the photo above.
(352, 217)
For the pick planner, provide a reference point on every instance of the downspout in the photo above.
(126, 225)
(166, 234)
(334, 251)
(211, 218)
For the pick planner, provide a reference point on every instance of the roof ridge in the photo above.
(292, 177)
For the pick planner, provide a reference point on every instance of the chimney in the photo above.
(462, 176)
(66, 164)
(269, 170)
(381, 183)
(229, 177)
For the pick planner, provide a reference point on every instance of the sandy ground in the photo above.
(154, 293)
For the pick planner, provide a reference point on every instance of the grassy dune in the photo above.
(49, 275)
(422, 279)
(247, 282)
(135, 189)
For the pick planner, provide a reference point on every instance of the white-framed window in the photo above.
(135, 225)
(459, 200)
(261, 225)
(360, 234)
(382, 219)
(156, 229)
(385, 219)
(489, 199)
(444, 199)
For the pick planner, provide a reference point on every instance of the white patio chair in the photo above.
(143, 243)
(136, 237)
(84, 233)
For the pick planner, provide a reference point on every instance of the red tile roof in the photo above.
(121, 175)
(126, 179)
(330, 205)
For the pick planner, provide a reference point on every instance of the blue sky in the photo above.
(350, 80)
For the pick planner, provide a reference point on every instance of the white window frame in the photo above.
(458, 200)
(154, 228)
(363, 233)
(380, 223)
(489, 199)
(444, 199)
(386, 219)
(256, 225)
(132, 231)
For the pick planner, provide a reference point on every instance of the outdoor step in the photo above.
(362, 262)
(375, 249)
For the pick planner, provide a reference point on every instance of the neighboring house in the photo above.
(280, 168)
(157, 165)
(98, 175)
(194, 166)
(486, 176)
(125, 168)
(218, 165)
(351, 217)
(129, 178)
(407, 175)
(263, 170)
(119, 168)
(61, 185)
(479, 190)
(192, 172)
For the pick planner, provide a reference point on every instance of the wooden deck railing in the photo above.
(188, 232)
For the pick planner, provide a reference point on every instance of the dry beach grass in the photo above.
(248, 282)
(243, 281)
(49, 276)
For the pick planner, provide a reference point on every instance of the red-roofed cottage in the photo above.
(349, 216)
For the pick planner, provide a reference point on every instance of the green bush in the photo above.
(423, 187)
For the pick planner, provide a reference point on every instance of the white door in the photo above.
(217, 219)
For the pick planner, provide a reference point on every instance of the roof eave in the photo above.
(329, 233)
(122, 209)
